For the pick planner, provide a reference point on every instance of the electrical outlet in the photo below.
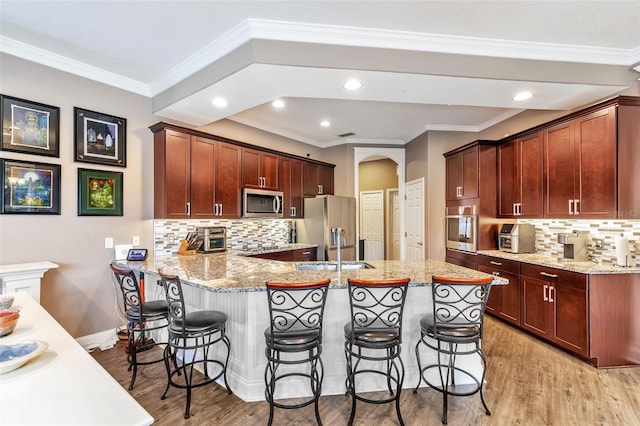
(135, 240)
(108, 242)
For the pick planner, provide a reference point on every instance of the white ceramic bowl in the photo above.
(6, 301)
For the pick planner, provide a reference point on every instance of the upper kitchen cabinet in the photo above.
(317, 179)
(580, 166)
(291, 186)
(259, 169)
(194, 176)
(462, 174)
(628, 128)
(520, 177)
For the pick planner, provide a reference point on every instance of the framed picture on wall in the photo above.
(100, 138)
(99, 193)
(29, 127)
(29, 187)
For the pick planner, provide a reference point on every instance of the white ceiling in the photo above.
(424, 65)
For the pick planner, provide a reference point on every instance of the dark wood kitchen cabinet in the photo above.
(554, 306)
(296, 255)
(462, 175)
(195, 177)
(259, 169)
(291, 186)
(317, 179)
(580, 166)
(520, 177)
(504, 300)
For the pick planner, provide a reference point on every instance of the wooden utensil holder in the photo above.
(183, 249)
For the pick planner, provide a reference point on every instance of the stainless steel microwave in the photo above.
(261, 203)
(462, 228)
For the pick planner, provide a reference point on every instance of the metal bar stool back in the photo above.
(193, 337)
(373, 336)
(294, 337)
(454, 328)
(145, 322)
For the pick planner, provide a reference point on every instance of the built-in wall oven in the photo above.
(462, 228)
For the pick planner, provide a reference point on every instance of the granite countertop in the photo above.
(232, 271)
(273, 249)
(554, 262)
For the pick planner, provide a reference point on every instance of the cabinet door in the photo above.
(203, 177)
(251, 168)
(510, 306)
(269, 170)
(310, 179)
(228, 180)
(596, 139)
(508, 185)
(454, 177)
(570, 317)
(560, 167)
(325, 180)
(291, 185)
(530, 176)
(177, 170)
(470, 173)
(495, 296)
(535, 306)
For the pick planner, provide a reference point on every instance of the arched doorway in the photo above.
(397, 155)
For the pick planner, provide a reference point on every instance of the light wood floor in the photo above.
(528, 383)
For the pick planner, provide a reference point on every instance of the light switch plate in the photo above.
(122, 250)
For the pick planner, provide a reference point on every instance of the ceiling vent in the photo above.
(346, 135)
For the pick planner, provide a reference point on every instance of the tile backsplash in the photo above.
(241, 234)
(607, 230)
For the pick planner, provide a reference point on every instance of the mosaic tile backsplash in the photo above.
(241, 234)
(256, 234)
(607, 230)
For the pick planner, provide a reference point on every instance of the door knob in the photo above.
(419, 243)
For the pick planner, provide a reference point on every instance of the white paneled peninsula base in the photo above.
(234, 284)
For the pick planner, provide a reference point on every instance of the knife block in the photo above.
(183, 249)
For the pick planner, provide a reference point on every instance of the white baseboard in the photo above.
(103, 340)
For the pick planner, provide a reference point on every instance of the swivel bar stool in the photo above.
(294, 337)
(373, 337)
(453, 328)
(143, 320)
(192, 336)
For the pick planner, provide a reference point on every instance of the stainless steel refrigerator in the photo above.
(320, 215)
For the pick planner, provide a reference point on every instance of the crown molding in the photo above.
(426, 42)
(63, 63)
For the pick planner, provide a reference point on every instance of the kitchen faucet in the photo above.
(338, 239)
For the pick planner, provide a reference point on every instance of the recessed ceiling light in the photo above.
(523, 96)
(278, 103)
(219, 102)
(352, 84)
(325, 123)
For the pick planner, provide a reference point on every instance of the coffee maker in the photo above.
(575, 245)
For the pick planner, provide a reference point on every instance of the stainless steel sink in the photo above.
(332, 266)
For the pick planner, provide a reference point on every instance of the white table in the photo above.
(64, 385)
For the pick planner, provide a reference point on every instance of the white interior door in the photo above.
(393, 224)
(372, 224)
(414, 224)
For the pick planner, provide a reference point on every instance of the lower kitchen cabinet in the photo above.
(460, 258)
(554, 306)
(504, 300)
(297, 255)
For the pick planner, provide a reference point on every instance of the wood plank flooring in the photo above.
(528, 383)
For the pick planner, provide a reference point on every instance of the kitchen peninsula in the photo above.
(235, 284)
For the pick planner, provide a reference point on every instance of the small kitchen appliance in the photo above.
(575, 245)
(214, 239)
(261, 203)
(462, 228)
(517, 238)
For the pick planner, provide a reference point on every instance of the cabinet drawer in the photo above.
(557, 276)
(305, 255)
(498, 263)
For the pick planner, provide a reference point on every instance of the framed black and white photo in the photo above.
(29, 127)
(100, 138)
